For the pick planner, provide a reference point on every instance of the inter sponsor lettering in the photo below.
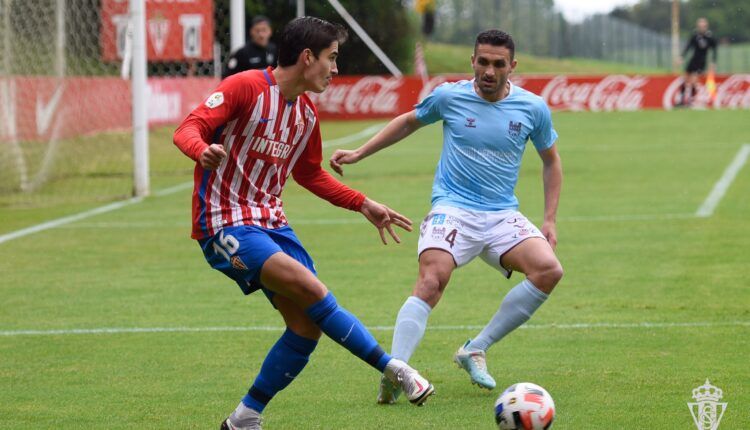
(271, 148)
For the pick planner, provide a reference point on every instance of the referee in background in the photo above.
(259, 52)
(701, 41)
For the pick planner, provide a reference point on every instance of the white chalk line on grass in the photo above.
(68, 219)
(574, 326)
(723, 184)
(341, 141)
(369, 131)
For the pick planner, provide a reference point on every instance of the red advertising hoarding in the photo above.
(45, 107)
(363, 97)
(175, 30)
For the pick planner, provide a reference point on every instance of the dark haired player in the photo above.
(264, 128)
(486, 124)
(701, 41)
(258, 53)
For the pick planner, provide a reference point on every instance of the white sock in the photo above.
(517, 307)
(410, 326)
(244, 416)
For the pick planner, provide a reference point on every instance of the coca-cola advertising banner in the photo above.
(33, 108)
(176, 30)
(362, 97)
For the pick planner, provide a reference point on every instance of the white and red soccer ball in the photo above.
(524, 406)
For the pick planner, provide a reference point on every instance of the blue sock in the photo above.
(344, 328)
(283, 363)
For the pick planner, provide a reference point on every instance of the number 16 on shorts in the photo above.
(226, 246)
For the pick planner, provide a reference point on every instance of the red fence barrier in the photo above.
(363, 97)
(46, 108)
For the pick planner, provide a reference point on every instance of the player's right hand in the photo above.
(343, 156)
(212, 156)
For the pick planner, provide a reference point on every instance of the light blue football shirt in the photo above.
(483, 143)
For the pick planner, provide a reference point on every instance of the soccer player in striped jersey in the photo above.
(487, 122)
(264, 128)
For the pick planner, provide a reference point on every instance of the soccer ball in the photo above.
(524, 406)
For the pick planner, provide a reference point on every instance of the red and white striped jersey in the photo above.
(266, 139)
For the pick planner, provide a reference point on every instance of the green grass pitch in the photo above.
(632, 252)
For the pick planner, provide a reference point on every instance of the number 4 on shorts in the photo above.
(451, 237)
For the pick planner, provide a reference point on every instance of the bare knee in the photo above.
(307, 290)
(431, 284)
(306, 329)
(546, 276)
(295, 318)
(287, 277)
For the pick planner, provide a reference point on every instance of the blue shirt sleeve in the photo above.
(430, 109)
(544, 135)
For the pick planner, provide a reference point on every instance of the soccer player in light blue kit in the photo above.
(486, 124)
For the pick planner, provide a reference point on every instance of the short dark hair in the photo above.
(257, 19)
(308, 32)
(496, 38)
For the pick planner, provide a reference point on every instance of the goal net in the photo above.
(66, 102)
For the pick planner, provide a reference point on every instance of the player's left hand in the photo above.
(549, 230)
(383, 217)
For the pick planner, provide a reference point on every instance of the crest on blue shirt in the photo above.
(514, 129)
(471, 123)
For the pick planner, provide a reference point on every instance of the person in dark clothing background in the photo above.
(701, 41)
(258, 53)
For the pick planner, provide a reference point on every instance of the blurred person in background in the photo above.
(259, 53)
(701, 41)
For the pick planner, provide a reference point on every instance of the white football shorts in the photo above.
(466, 233)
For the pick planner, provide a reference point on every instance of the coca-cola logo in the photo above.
(734, 93)
(615, 92)
(368, 95)
(673, 95)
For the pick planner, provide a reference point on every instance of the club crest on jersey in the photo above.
(237, 263)
(471, 123)
(514, 129)
(215, 100)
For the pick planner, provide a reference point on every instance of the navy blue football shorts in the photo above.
(240, 252)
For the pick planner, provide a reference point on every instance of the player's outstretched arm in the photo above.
(400, 127)
(383, 218)
(552, 177)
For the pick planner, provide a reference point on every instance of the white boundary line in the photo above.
(574, 326)
(369, 131)
(68, 219)
(721, 187)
